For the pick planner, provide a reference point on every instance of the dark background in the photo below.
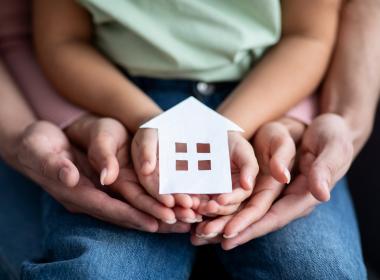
(365, 188)
(364, 183)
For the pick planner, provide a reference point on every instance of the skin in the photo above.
(244, 169)
(42, 152)
(350, 95)
(68, 56)
(308, 35)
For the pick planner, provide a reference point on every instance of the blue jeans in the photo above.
(20, 221)
(323, 245)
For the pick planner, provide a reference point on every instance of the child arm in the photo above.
(63, 38)
(291, 70)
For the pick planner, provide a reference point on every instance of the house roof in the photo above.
(191, 111)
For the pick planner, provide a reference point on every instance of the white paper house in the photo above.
(193, 149)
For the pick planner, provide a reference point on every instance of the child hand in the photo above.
(106, 143)
(274, 144)
(145, 160)
(244, 169)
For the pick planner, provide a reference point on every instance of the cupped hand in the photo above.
(145, 160)
(244, 169)
(327, 152)
(45, 155)
(275, 149)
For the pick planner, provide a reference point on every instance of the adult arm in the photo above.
(41, 151)
(18, 56)
(291, 70)
(350, 97)
(351, 89)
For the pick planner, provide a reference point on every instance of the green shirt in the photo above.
(207, 40)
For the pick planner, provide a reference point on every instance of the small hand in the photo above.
(244, 169)
(275, 149)
(327, 154)
(145, 160)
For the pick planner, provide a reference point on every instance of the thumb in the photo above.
(102, 155)
(326, 168)
(145, 152)
(108, 138)
(282, 153)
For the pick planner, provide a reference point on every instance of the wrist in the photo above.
(360, 124)
(79, 131)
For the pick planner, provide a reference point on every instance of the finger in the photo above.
(147, 151)
(329, 166)
(137, 197)
(208, 208)
(102, 155)
(244, 158)
(144, 154)
(37, 154)
(266, 192)
(285, 210)
(178, 227)
(196, 202)
(187, 215)
(100, 205)
(197, 241)
(236, 196)
(183, 200)
(211, 228)
(283, 151)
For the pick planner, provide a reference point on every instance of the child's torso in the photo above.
(209, 40)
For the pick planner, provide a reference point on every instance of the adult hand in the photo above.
(45, 155)
(326, 154)
(274, 145)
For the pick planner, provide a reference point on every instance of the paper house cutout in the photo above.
(193, 149)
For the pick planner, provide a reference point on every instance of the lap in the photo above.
(20, 221)
(323, 245)
(90, 249)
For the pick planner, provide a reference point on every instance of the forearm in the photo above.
(86, 78)
(289, 72)
(15, 115)
(48, 105)
(352, 85)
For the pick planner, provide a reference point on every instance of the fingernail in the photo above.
(103, 176)
(190, 220)
(199, 219)
(250, 181)
(201, 242)
(287, 175)
(210, 235)
(199, 235)
(233, 246)
(170, 222)
(229, 236)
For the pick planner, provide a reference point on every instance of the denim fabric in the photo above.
(324, 245)
(20, 221)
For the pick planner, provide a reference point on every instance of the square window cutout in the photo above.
(181, 165)
(204, 164)
(180, 147)
(203, 148)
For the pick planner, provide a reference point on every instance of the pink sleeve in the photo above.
(17, 53)
(306, 110)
